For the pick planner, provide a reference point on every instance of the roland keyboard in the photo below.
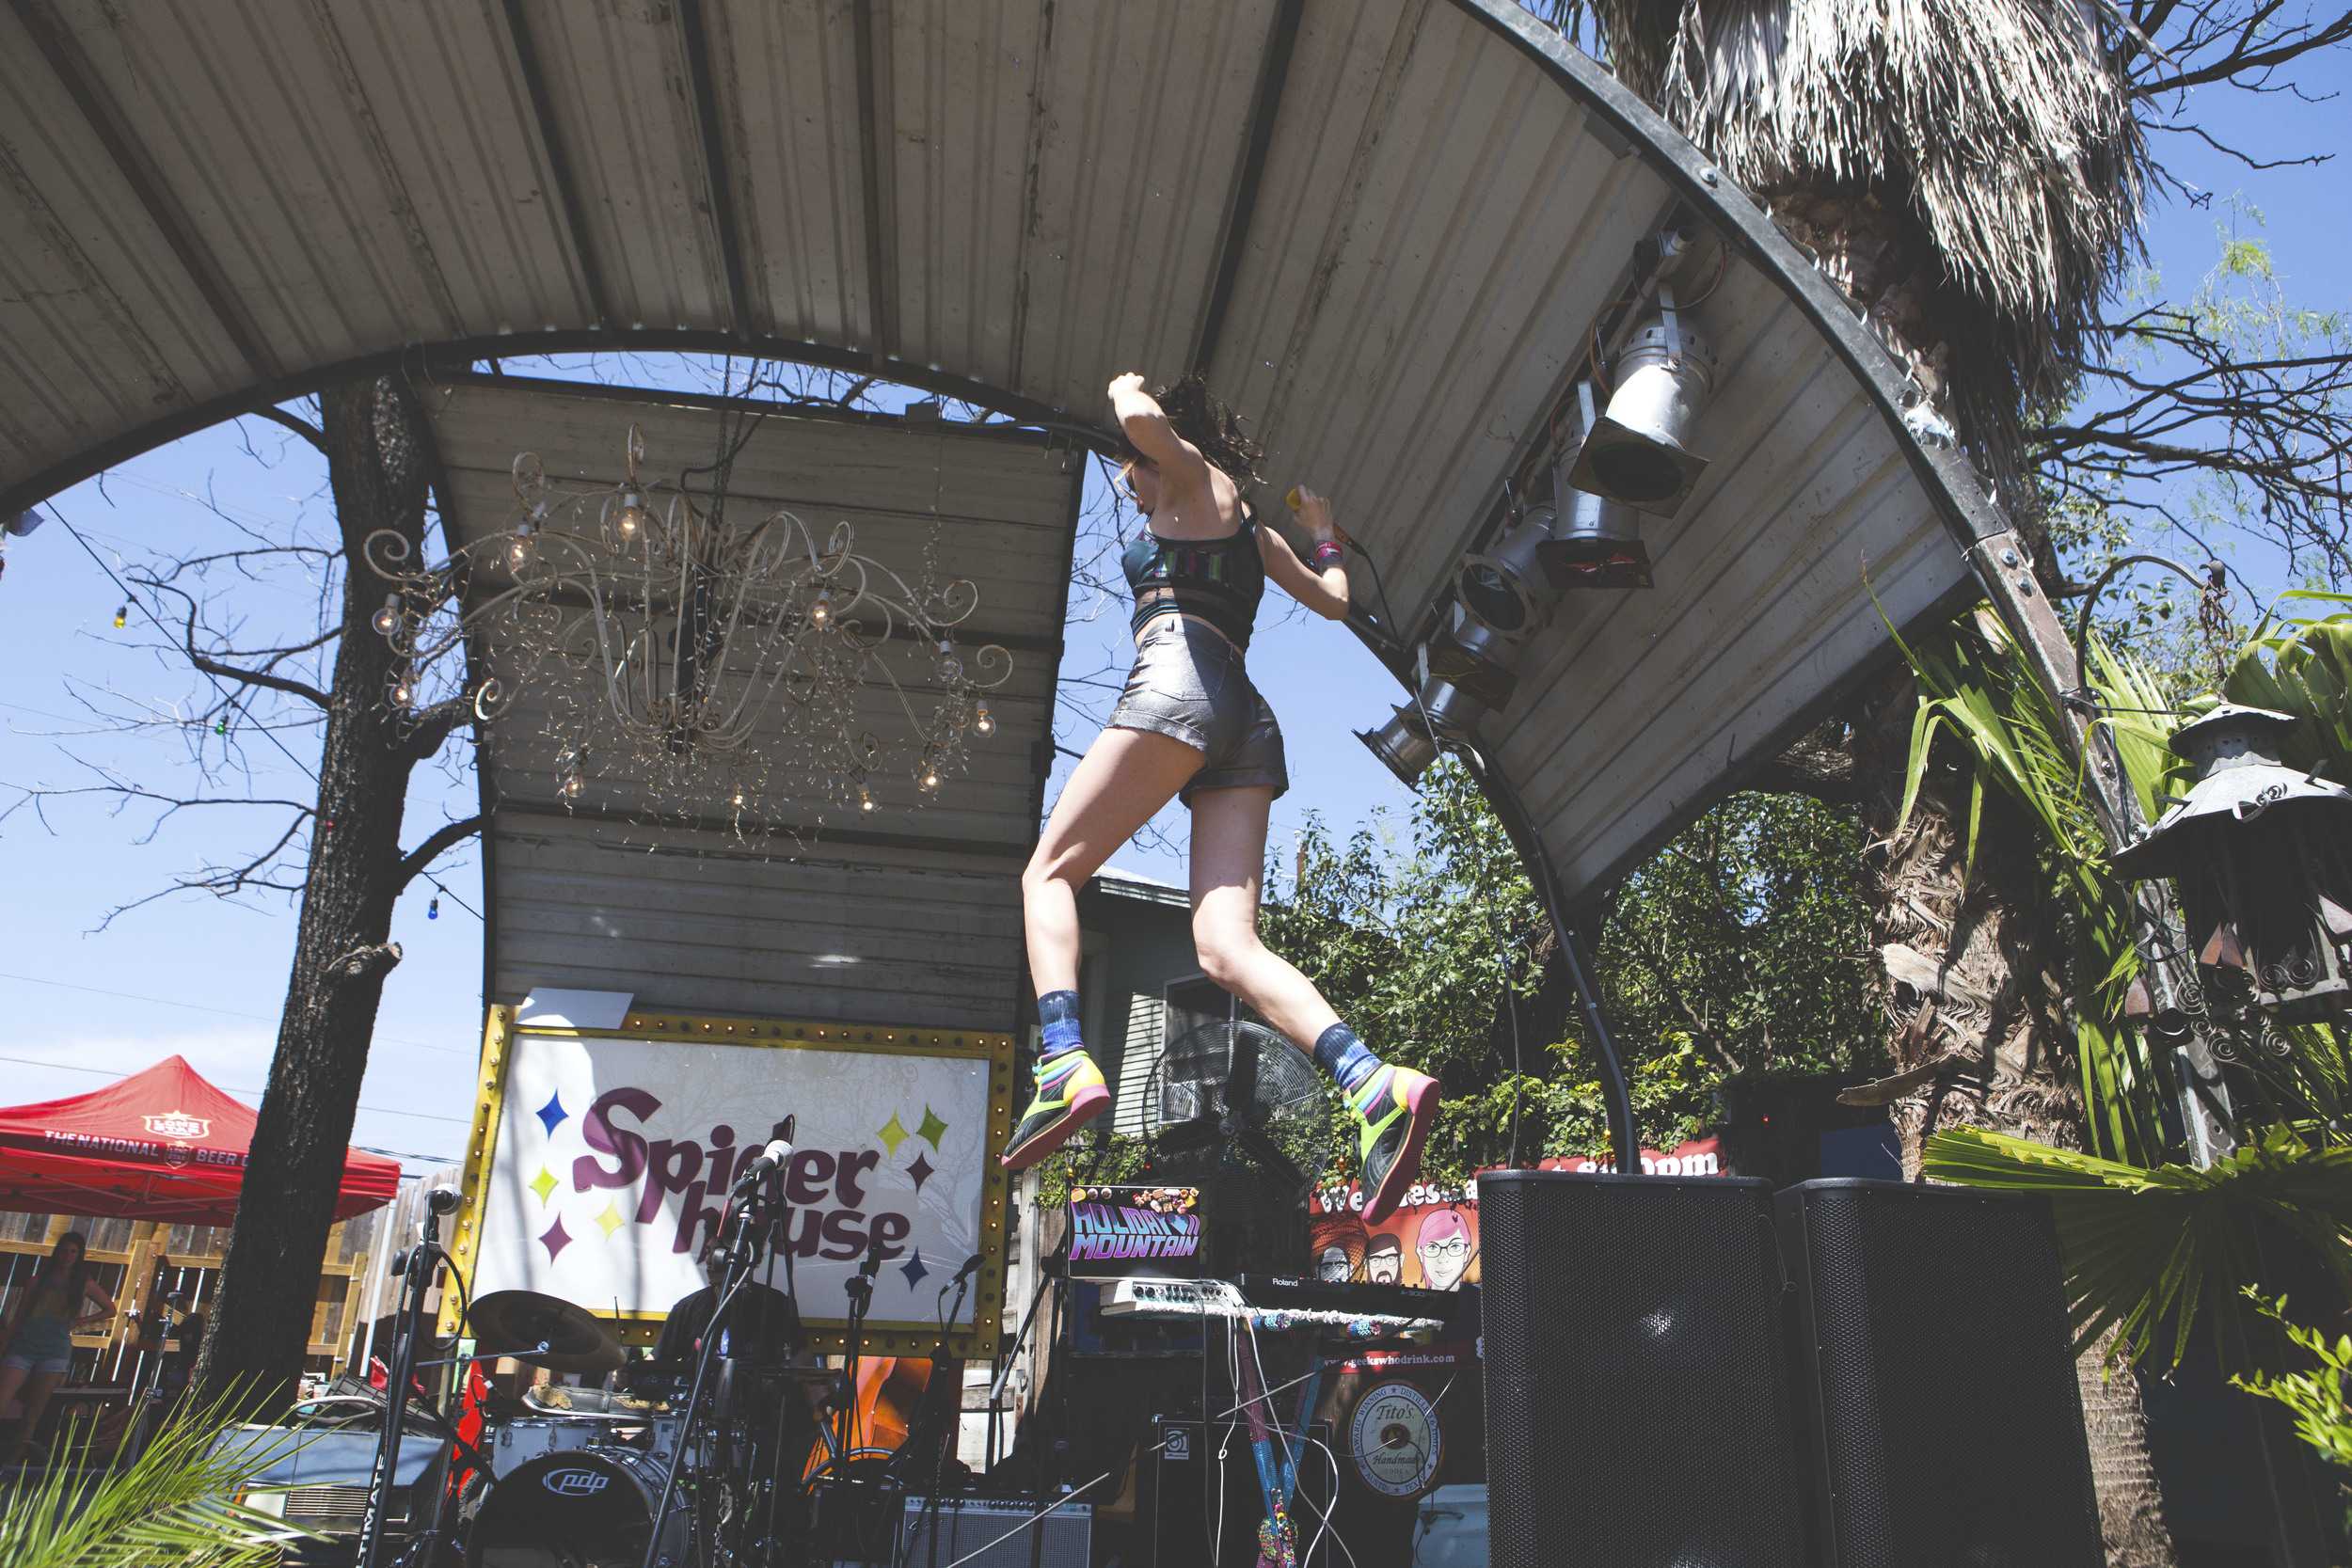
(1215, 1298)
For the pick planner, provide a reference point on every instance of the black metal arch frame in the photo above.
(1958, 493)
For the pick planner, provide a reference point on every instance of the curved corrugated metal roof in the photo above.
(1386, 227)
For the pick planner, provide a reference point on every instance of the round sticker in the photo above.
(1396, 1440)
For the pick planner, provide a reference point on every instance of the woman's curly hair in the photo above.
(1200, 416)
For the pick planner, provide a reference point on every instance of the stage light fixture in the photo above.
(1402, 745)
(1505, 588)
(1637, 451)
(1594, 543)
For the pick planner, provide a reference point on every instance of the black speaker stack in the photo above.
(1696, 1372)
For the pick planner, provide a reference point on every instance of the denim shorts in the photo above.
(37, 1362)
(1189, 683)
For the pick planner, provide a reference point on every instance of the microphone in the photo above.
(971, 1266)
(778, 1150)
(873, 1258)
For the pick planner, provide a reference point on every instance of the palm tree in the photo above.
(1971, 173)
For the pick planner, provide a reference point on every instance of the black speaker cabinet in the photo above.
(1936, 1377)
(1637, 1412)
(1204, 1499)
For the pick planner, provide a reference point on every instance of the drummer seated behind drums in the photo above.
(1191, 726)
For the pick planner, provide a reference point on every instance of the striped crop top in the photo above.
(1220, 581)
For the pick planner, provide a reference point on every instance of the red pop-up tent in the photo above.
(160, 1145)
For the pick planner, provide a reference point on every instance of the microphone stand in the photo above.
(939, 1462)
(741, 1252)
(416, 1268)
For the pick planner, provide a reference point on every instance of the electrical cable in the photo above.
(199, 1008)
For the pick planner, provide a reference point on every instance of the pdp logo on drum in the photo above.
(576, 1483)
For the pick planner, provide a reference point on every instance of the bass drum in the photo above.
(592, 1509)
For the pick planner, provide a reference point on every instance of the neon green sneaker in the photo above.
(1396, 1106)
(1070, 1094)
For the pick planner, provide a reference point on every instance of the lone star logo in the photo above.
(552, 1112)
(892, 1132)
(932, 1127)
(178, 1124)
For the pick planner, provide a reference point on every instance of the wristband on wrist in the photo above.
(1330, 552)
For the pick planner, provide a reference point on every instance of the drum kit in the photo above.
(724, 1454)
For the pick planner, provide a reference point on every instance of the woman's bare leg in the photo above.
(1229, 829)
(1120, 785)
(37, 1390)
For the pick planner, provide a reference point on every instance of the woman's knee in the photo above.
(1228, 956)
(1044, 871)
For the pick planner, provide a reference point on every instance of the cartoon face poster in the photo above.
(1431, 1242)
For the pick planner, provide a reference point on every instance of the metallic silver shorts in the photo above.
(1189, 683)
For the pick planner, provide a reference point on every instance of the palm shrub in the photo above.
(2152, 1245)
(173, 1506)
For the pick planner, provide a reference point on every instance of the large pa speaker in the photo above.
(1937, 1379)
(1638, 1411)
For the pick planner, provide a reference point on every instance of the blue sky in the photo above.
(203, 978)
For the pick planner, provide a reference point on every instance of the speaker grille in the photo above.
(1947, 1414)
(1637, 1406)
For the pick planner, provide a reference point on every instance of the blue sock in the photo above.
(1344, 1057)
(1058, 1016)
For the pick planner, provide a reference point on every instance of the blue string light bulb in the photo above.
(433, 911)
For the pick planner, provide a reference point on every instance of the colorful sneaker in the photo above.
(1070, 1094)
(1397, 1105)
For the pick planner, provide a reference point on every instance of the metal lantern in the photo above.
(2263, 855)
(1402, 745)
(1636, 452)
(1596, 542)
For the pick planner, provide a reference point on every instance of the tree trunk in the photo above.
(377, 466)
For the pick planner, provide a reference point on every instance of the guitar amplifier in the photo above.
(998, 1532)
(1204, 1501)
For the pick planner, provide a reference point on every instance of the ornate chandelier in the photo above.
(707, 668)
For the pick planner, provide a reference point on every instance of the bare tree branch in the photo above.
(412, 865)
(301, 427)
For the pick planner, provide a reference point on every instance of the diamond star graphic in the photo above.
(544, 1184)
(915, 1271)
(610, 1219)
(932, 1127)
(892, 1132)
(555, 1238)
(552, 1112)
(922, 1170)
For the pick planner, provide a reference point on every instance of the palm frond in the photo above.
(2147, 1249)
(173, 1506)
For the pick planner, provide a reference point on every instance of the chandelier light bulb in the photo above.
(632, 520)
(736, 799)
(388, 619)
(864, 799)
(984, 722)
(574, 782)
(821, 610)
(402, 693)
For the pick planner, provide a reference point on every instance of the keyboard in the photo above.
(1214, 1298)
(1400, 1301)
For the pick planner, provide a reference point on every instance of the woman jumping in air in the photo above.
(1191, 725)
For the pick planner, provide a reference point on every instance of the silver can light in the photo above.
(1638, 452)
(1506, 587)
(1402, 745)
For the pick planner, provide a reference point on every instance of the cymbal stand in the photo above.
(416, 1268)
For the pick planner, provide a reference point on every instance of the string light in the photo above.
(122, 616)
(432, 910)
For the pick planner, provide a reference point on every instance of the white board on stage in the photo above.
(611, 1158)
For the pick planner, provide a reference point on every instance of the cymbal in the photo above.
(544, 1331)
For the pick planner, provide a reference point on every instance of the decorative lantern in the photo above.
(2263, 855)
(1636, 452)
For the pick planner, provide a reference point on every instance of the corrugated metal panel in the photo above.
(806, 909)
(1009, 194)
